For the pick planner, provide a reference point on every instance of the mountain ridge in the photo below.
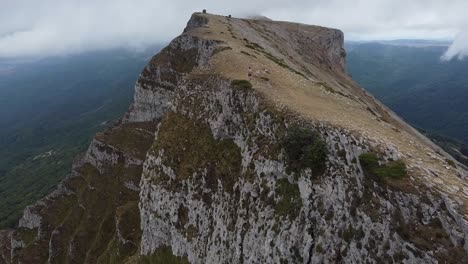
(207, 167)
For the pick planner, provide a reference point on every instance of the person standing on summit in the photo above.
(250, 72)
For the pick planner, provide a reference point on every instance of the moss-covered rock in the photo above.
(189, 148)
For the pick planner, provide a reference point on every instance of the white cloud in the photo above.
(56, 27)
(459, 47)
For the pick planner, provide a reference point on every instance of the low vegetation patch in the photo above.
(241, 84)
(280, 62)
(451, 163)
(129, 225)
(27, 235)
(319, 248)
(331, 90)
(133, 138)
(253, 45)
(395, 170)
(341, 153)
(290, 202)
(221, 49)
(305, 149)
(163, 255)
(231, 31)
(189, 147)
(348, 233)
(248, 54)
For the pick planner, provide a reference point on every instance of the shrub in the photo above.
(241, 84)
(369, 160)
(319, 248)
(348, 234)
(451, 163)
(305, 149)
(341, 153)
(393, 169)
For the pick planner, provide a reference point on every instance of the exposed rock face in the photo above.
(161, 77)
(199, 169)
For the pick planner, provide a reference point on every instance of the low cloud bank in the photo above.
(59, 27)
(459, 47)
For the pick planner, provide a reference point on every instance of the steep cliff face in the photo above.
(299, 165)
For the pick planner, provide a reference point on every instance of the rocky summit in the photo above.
(293, 164)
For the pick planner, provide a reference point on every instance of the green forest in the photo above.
(49, 111)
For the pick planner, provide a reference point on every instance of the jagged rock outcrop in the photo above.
(206, 167)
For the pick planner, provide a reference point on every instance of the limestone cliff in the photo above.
(299, 165)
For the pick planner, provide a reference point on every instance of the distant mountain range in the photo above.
(419, 43)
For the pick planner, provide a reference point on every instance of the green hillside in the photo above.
(49, 111)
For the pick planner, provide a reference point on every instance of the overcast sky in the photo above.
(57, 27)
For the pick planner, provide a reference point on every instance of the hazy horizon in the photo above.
(53, 27)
